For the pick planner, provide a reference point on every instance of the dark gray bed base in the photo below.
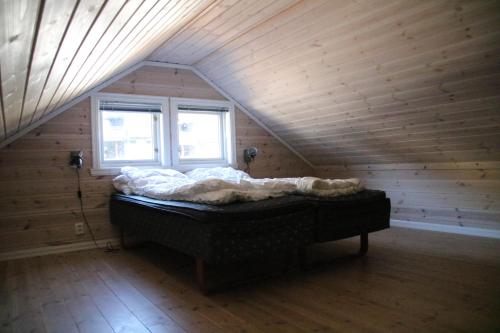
(234, 232)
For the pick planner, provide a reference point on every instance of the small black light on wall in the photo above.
(249, 155)
(76, 159)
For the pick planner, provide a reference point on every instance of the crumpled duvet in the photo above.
(224, 185)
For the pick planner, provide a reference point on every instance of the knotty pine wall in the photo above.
(465, 194)
(38, 202)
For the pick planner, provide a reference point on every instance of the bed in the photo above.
(215, 234)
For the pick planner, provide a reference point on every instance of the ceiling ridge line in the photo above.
(184, 27)
(249, 29)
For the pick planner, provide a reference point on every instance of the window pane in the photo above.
(199, 135)
(128, 136)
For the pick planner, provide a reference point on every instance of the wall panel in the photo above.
(457, 194)
(38, 201)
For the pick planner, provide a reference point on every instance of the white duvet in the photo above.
(224, 185)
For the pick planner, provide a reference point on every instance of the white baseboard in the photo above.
(40, 251)
(489, 233)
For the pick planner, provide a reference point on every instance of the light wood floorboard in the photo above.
(410, 281)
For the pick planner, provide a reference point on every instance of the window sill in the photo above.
(189, 167)
(105, 172)
(180, 168)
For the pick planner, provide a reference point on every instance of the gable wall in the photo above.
(38, 201)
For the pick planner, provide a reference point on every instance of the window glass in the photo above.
(153, 131)
(200, 135)
(128, 136)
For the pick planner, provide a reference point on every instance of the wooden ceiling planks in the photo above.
(85, 16)
(56, 15)
(225, 21)
(402, 101)
(122, 18)
(128, 31)
(18, 23)
(2, 113)
(341, 81)
(53, 51)
(320, 86)
(106, 19)
(297, 41)
(160, 23)
(212, 11)
(345, 82)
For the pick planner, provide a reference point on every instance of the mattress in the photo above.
(235, 231)
(246, 210)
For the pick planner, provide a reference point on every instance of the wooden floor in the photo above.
(410, 281)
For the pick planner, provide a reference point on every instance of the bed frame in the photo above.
(215, 234)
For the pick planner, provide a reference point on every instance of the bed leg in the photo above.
(123, 243)
(363, 248)
(201, 277)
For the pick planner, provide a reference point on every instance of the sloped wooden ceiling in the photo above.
(55, 50)
(344, 82)
(352, 82)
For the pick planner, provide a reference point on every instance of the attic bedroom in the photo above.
(249, 166)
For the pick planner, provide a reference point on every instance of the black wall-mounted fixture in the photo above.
(76, 159)
(249, 154)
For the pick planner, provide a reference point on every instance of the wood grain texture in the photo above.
(457, 194)
(18, 20)
(54, 51)
(224, 21)
(370, 82)
(53, 27)
(38, 201)
(344, 82)
(361, 83)
(410, 281)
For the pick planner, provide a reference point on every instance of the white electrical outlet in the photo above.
(79, 230)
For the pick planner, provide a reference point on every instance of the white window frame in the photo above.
(168, 156)
(162, 137)
(227, 134)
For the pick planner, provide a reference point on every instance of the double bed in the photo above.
(215, 234)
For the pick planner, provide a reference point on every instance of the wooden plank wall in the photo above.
(465, 194)
(38, 202)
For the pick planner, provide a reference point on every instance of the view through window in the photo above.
(128, 136)
(200, 135)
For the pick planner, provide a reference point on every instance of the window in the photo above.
(201, 132)
(144, 131)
